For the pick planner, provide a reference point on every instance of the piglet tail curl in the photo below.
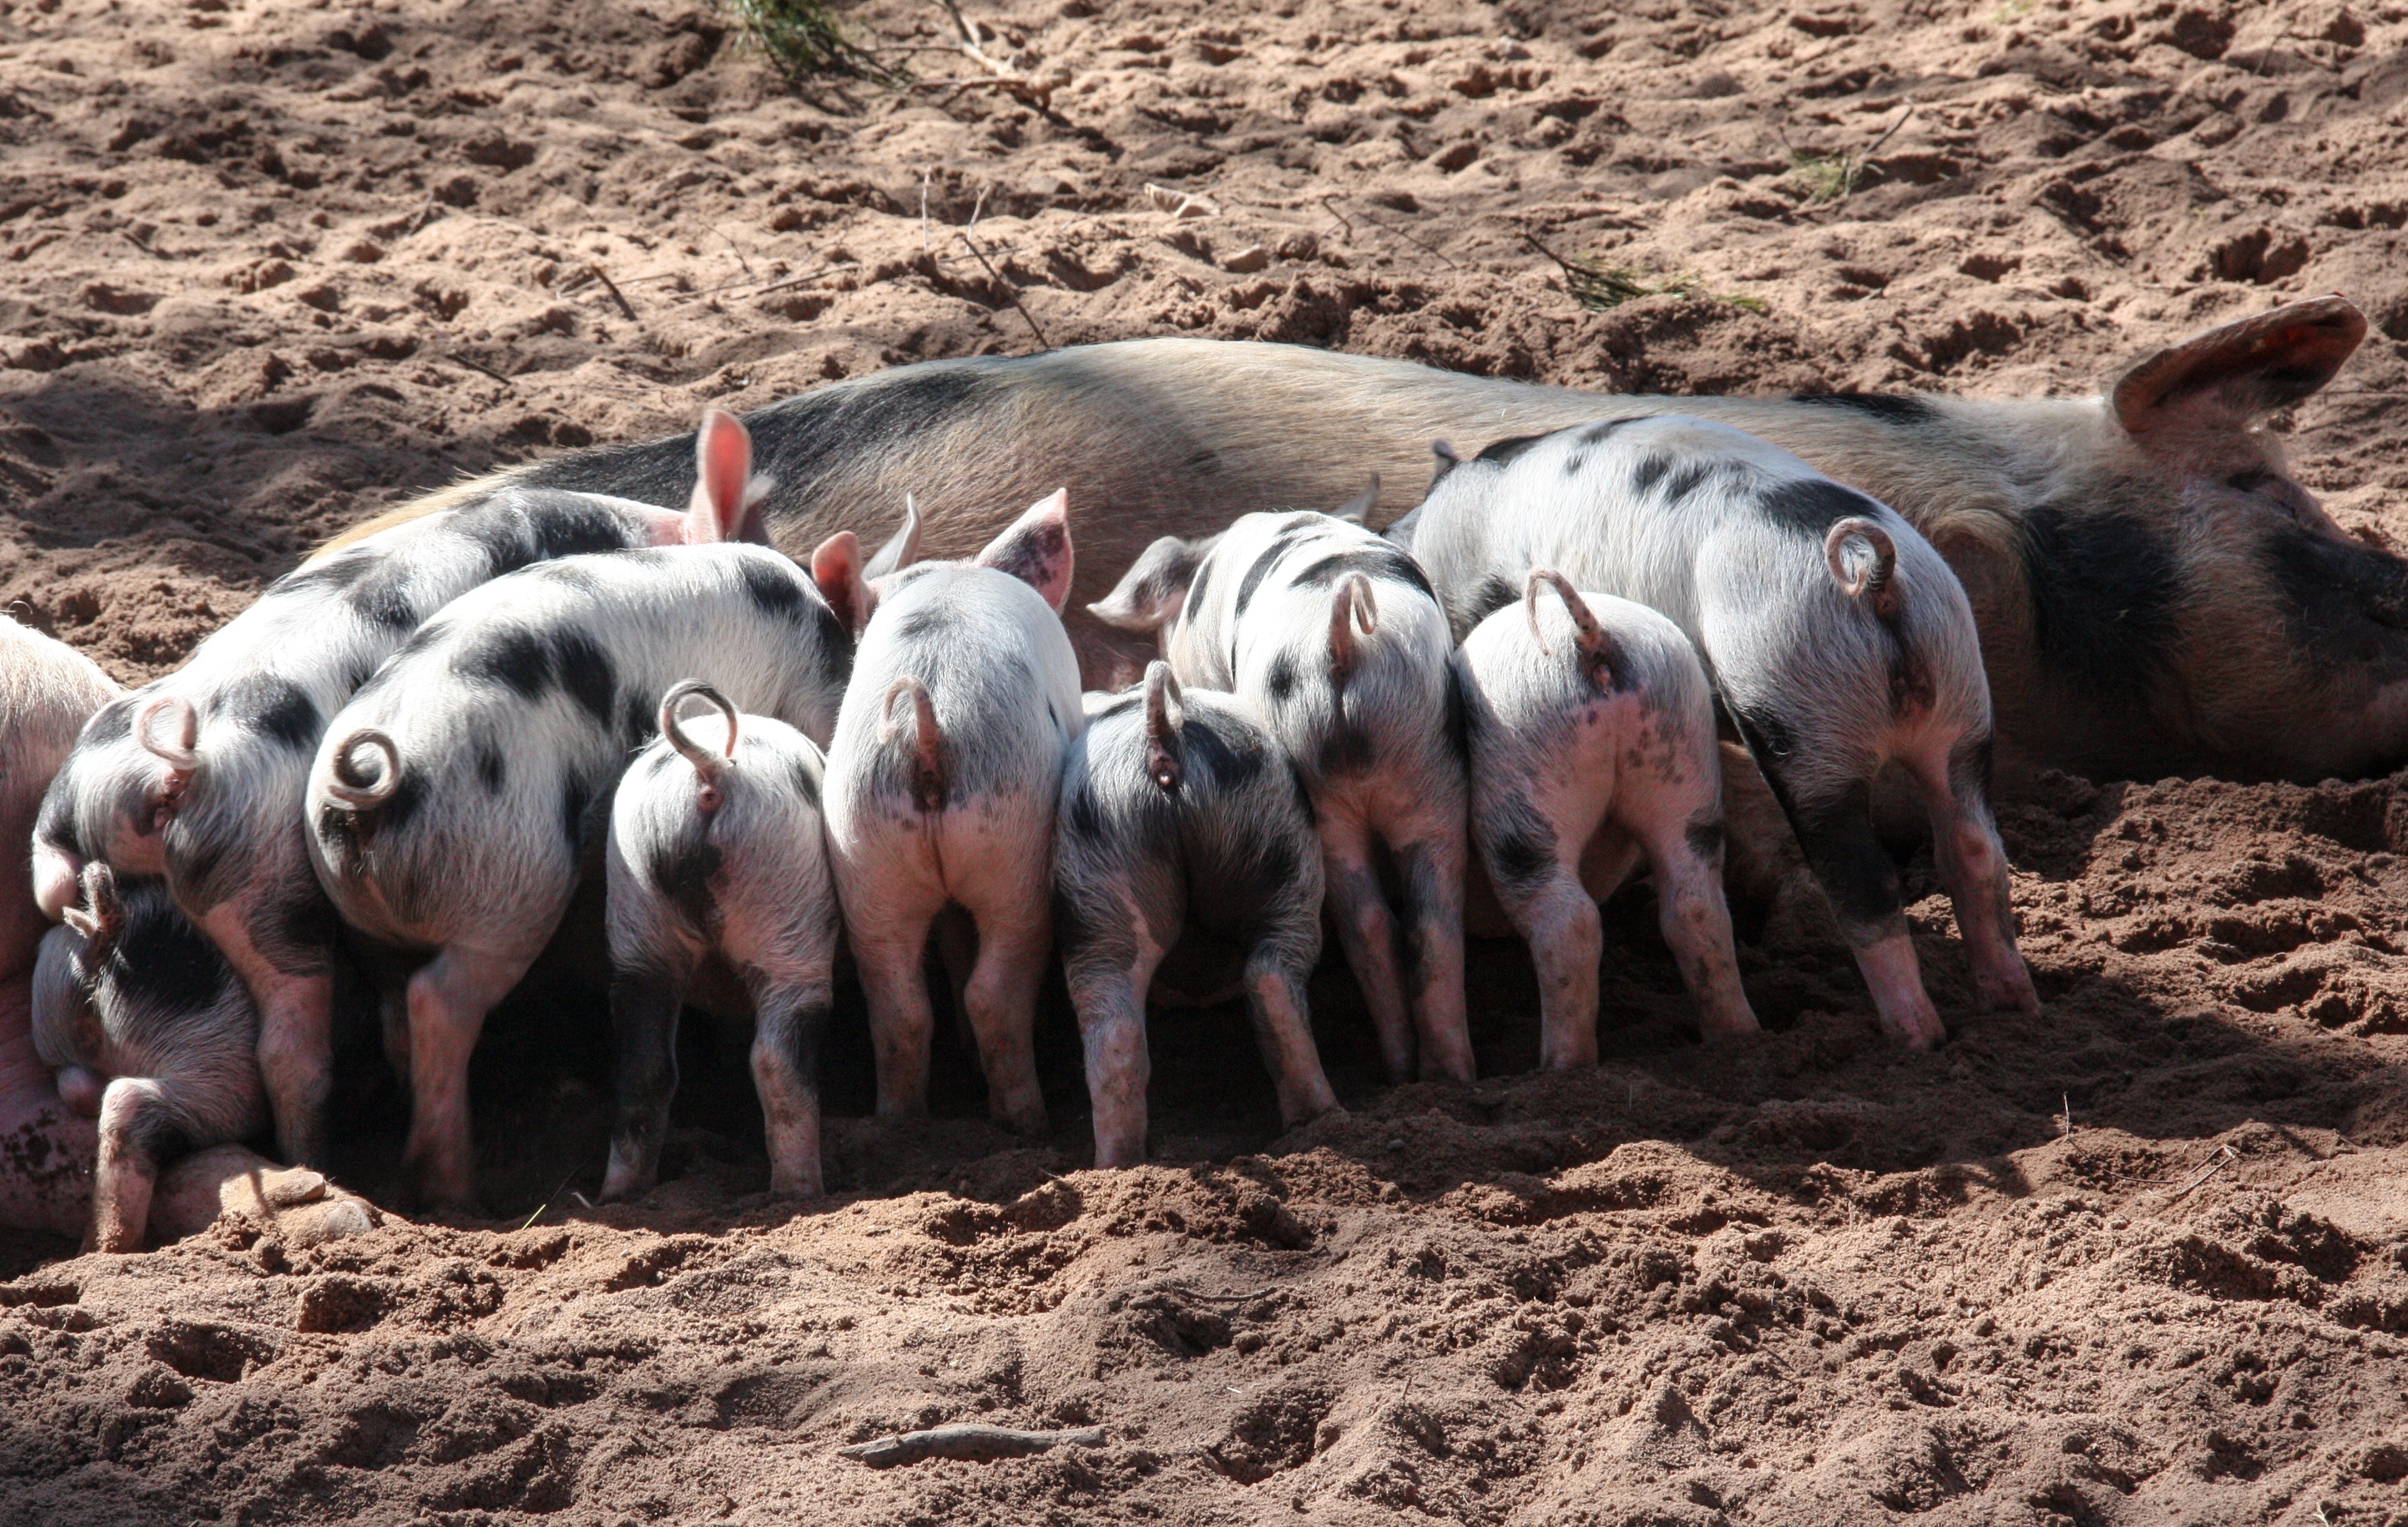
(928, 769)
(1877, 586)
(1599, 654)
(707, 765)
(178, 755)
(1163, 761)
(361, 792)
(1351, 609)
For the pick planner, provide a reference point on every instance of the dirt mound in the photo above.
(264, 269)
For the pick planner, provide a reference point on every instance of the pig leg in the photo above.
(1859, 877)
(1973, 867)
(137, 1126)
(392, 1015)
(449, 998)
(292, 984)
(786, 1073)
(1368, 934)
(1431, 866)
(1275, 999)
(1687, 861)
(1110, 998)
(645, 1002)
(901, 1019)
(1558, 920)
(1015, 940)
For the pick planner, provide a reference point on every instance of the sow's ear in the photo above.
(1154, 591)
(2235, 373)
(1036, 548)
(836, 568)
(725, 492)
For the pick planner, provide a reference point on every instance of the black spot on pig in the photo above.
(773, 591)
(1281, 679)
(1034, 550)
(1521, 843)
(1232, 762)
(586, 673)
(684, 876)
(1770, 739)
(1889, 408)
(806, 782)
(1489, 595)
(1265, 562)
(1705, 837)
(382, 597)
(1848, 859)
(1504, 453)
(274, 709)
(491, 769)
(294, 927)
(1458, 716)
(1647, 471)
(515, 657)
(1381, 561)
(163, 962)
(1345, 749)
(925, 622)
(1596, 433)
(576, 810)
(1086, 821)
(1811, 504)
(113, 721)
(636, 717)
(566, 525)
(1202, 581)
(2104, 588)
(409, 795)
(1687, 479)
(2342, 601)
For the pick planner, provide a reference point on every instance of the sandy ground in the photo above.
(265, 268)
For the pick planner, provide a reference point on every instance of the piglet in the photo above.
(455, 799)
(1179, 810)
(716, 857)
(1592, 733)
(941, 786)
(1335, 636)
(200, 776)
(150, 1030)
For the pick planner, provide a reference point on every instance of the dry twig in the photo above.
(1009, 291)
(967, 1441)
(2225, 1157)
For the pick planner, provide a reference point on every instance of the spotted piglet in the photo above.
(451, 805)
(150, 1030)
(941, 786)
(1592, 732)
(716, 860)
(1334, 635)
(1178, 811)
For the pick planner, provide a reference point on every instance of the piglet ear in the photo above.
(836, 568)
(723, 479)
(902, 549)
(1359, 509)
(1151, 595)
(1036, 548)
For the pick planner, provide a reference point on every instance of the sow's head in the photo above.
(2193, 608)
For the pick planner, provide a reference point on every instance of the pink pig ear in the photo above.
(836, 568)
(1036, 548)
(722, 460)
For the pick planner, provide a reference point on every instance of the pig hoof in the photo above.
(327, 1219)
(291, 1188)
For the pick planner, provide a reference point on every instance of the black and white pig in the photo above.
(1837, 640)
(941, 785)
(1592, 732)
(716, 858)
(1179, 810)
(454, 798)
(199, 776)
(1336, 638)
(150, 1031)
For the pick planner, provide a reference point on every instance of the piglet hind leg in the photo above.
(449, 998)
(1558, 921)
(902, 1022)
(1431, 866)
(138, 1124)
(644, 1007)
(1367, 933)
(1275, 999)
(1973, 867)
(1688, 868)
(787, 1039)
(1110, 998)
(1015, 940)
(1860, 879)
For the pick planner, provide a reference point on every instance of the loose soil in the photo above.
(265, 268)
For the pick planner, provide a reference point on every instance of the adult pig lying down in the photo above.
(47, 1144)
(2156, 594)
